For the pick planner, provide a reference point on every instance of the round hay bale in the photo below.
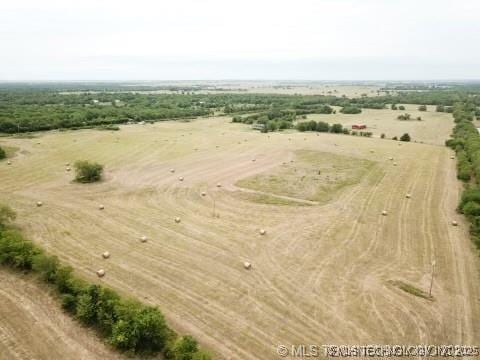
(106, 255)
(101, 273)
(454, 223)
(408, 196)
(247, 265)
(394, 164)
(219, 185)
(262, 232)
(390, 158)
(68, 169)
(9, 162)
(452, 157)
(372, 151)
(144, 239)
(384, 213)
(254, 160)
(39, 203)
(180, 178)
(204, 193)
(196, 149)
(67, 164)
(101, 207)
(177, 220)
(172, 170)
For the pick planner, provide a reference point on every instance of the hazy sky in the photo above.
(244, 39)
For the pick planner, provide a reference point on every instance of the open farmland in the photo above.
(33, 326)
(330, 268)
(433, 129)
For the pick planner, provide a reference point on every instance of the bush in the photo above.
(395, 138)
(3, 154)
(405, 137)
(382, 136)
(323, 126)
(403, 117)
(46, 266)
(336, 128)
(422, 108)
(87, 172)
(139, 328)
(184, 348)
(440, 108)
(350, 109)
(401, 107)
(6, 215)
(15, 251)
(471, 208)
(394, 107)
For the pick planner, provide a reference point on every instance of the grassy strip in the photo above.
(411, 289)
(466, 143)
(126, 324)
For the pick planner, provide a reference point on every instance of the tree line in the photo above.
(465, 140)
(126, 324)
(37, 108)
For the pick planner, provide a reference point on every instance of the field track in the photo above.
(321, 274)
(33, 326)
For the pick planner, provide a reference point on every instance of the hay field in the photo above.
(329, 270)
(385, 121)
(33, 326)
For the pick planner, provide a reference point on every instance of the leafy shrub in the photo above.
(471, 208)
(350, 109)
(322, 126)
(405, 137)
(6, 215)
(422, 108)
(401, 107)
(16, 251)
(336, 128)
(87, 172)
(403, 117)
(46, 266)
(3, 154)
(139, 328)
(184, 348)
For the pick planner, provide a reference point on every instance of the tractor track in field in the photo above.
(321, 274)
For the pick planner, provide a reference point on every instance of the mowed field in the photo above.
(326, 271)
(385, 122)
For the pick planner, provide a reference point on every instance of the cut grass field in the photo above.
(321, 273)
(385, 122)
(313, 176)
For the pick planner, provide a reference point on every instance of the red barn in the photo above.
(359, 126)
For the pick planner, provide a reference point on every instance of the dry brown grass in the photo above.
(319, 274)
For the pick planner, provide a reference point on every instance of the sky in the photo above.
(244, 39)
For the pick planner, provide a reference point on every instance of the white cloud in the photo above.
(252, 38)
